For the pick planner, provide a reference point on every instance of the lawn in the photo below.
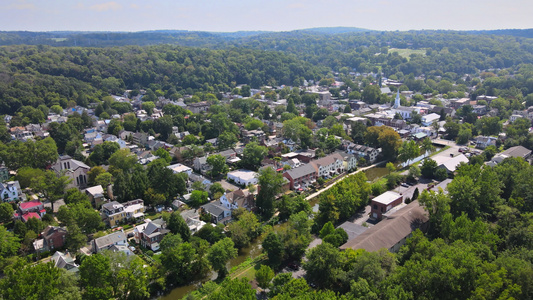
(407, 52)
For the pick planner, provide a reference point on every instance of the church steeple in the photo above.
(397, 100)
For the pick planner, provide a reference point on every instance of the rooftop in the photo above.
(387, 197)
(391, 230)
(243, 174)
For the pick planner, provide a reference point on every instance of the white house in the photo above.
(427, 120)
(237, 199)
(10, 191)
(243, 177)
(179, 168)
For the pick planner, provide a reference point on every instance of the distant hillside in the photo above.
(335, 30)
(527, 33)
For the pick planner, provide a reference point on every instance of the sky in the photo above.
(272, 15)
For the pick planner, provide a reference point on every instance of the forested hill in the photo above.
(458, 52)
(34, 75)
(527, 33)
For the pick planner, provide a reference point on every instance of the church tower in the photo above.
(397, 100)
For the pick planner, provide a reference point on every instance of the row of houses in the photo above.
(328, 166)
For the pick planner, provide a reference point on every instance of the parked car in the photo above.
(404, 184)
(130, 235)
(293, 266)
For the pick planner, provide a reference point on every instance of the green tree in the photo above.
(371, 94)
(162, 153)
(219, 254)
(177, 225)
(93, 173)
(323, 265)
(6, 212)
(429, 167)
(148, 106)
(39, 281)
(264, 276)
(244, 229)
(198, 198)
(75, 238)
(253, 154)
(218, 165)
(96, 277)
(274, 249)
(102, 152)
(270, 183)
(50, 185)
(10, 243)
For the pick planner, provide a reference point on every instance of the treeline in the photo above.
(34, 75)
(448, 51)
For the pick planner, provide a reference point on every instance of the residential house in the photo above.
(368, 153)
(349, 160)
(237, 199)
(10, 191)
(30, 209)
(140, 138)
(89, 137)
(392, 232)
(179, 168)
(513, 118)
(200, 165)
(243, 177)
(329, 165)
(301, 176)
(450, 164)
(447, 111)
(383, 203)
(64, 261)
(74, 169)
(292, 163)
(480, 110)
(427, 120)
(115, 213)
(117, 238)
(483, 142)
(4, 173)
(150, 234)
(112, 138)
(192, 218)
(53, 237)
(96, 195)
(199, 107)
(217, 212)
(249, 135)
(517, 151)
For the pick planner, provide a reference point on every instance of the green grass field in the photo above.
(407, 52)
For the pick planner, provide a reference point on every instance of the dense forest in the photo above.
(34, 75)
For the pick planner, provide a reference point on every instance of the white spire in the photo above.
(397, 100)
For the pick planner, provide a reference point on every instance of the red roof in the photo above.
(27, 216)
(29, 204)
(42, 210)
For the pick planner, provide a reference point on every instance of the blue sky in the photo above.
(273, 15)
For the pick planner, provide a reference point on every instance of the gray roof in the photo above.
(391, 230)
(112, 205)
(301, 171)
(517, 151)
(151, 227)
(110, 239)
(214, 209)
(353, 230)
